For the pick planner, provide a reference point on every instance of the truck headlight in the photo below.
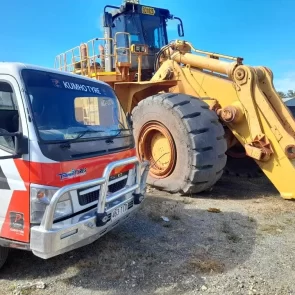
(40, 199)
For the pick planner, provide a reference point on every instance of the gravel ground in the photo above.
(236, 239)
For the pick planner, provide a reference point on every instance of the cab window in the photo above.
(9, 117)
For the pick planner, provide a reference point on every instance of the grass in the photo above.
(202, 261)
(208, 265)
(271, 228)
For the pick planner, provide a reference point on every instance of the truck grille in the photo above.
(90, 197)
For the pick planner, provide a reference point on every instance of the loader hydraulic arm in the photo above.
(246, 102)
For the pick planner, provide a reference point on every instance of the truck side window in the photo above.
(9, 117)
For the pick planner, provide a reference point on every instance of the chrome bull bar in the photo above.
(101, 215)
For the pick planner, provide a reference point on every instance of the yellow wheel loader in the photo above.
(195, 113)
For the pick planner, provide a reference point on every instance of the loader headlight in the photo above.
(40, 199)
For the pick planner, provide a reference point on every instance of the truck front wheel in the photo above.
(183, 140)
(3, 255)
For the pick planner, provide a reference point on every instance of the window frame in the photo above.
(13, 101)
(4, 148)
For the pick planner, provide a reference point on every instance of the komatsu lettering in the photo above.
(75, 86)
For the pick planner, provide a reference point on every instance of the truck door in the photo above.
(14, 168)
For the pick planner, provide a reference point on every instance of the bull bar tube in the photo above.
(51, 239)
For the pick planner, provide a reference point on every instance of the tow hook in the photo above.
(101, 219)
(138, 198)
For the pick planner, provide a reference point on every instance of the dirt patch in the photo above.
(202, 262)
(175, 245)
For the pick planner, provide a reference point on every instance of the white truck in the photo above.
(68, 166)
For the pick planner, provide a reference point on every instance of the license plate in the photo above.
(119, 211)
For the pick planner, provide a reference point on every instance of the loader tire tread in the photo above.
(195, 126)
(242, 168)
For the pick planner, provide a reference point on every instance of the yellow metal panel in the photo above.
(104, 74)
(129, 93)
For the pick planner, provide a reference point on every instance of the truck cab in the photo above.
(68, 165)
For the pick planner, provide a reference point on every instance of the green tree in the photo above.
(291, 93)
(282, 94)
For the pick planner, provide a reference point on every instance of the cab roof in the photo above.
(14, 68)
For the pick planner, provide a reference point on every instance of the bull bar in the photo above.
(50, 239)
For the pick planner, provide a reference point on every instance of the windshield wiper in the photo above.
(119, 132)
(81, 134)
(66, 143)
(109, 139)
(122, 129)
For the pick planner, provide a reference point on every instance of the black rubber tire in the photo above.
(198, 136)
(3, 255)
(242, 167)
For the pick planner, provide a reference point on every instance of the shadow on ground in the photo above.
(147, 255)
(238, 188)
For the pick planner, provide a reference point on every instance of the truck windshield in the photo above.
(66, 108)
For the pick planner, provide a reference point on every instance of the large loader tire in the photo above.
(183, 140)
(240, 165)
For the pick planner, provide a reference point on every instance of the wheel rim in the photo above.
(155, 144)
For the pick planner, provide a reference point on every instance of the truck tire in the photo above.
(240, 165)
(3, 255)
(185, 128)
(242, 168)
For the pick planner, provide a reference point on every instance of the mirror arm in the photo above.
(10, 133)
(181, 34)
(129, 120)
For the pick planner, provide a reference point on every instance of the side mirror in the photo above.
(21, 143)
(179, 27)
(129, 120)
(107, 19)
(180, 30)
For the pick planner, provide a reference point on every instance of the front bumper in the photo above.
(50, 239)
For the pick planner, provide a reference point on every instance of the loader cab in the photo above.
(145, 25)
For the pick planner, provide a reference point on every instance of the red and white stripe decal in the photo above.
(14, 202)
(48, 173)
(16, 176)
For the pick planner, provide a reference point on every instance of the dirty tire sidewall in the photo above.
(198, 137)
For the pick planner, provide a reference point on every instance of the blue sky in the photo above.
(260, 31)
